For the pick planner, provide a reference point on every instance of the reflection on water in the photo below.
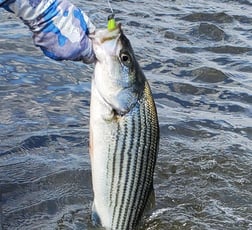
(197, 56)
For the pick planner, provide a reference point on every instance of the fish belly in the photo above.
(123, 153)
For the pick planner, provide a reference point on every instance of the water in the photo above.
(197, 56)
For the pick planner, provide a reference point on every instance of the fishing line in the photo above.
(110, 7)
(111, 18)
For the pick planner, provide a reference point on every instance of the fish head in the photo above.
(106, 42)
(118, 77)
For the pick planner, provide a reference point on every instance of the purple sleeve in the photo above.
(59, 28)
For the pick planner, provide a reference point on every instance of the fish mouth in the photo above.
(102, 35)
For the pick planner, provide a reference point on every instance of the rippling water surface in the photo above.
(197, 56)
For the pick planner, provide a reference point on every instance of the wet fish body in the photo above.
(124, 134)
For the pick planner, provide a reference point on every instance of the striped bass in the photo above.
(124, 134)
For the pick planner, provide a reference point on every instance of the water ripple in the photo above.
(197, 57)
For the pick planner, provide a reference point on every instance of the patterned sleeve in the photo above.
(59, 28)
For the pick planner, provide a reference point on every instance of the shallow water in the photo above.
(197, 56)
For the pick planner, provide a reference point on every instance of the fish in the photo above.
(124, 134)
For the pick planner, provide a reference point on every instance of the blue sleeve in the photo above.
(59, 28)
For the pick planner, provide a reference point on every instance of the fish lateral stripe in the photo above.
(116, 211)
(140, 181)
(125, 199)
(132, 170)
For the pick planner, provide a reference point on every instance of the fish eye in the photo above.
(125, 59)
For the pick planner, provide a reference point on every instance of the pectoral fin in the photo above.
(95, 217)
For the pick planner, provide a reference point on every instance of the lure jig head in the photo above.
(111, 22)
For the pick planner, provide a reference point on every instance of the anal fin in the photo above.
(150, 204)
